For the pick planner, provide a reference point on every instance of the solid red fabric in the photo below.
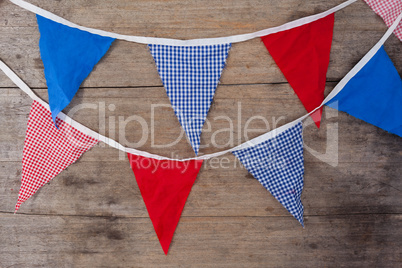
(165, 186)
(302, 54)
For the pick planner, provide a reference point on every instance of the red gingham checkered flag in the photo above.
(389, 10)
(47, 150)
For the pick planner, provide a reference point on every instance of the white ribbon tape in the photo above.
(177, 42)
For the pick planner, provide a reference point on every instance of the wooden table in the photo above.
(92, 214)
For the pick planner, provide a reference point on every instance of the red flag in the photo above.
(47, 150)
(302, 54)
(165, 186)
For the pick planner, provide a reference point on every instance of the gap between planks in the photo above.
(146, 217)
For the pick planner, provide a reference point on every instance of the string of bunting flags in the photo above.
(190, 71)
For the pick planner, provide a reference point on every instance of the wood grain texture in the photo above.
(63, 241)
(92, 214)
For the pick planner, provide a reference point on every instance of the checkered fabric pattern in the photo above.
(278, 165)
(48, 151)
(389, 10)
(190, 75)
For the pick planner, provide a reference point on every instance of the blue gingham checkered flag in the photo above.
(278, 165)
(190, 75)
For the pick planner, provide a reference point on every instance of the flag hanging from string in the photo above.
(47, 150)
(190, 75)
(278, 164)
(68, 55)
(374, 94)
(388, 10)
(302, 54)
(165, 186)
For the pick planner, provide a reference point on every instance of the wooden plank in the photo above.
(223, 188)
(130, 64)
(61, 241)
(234, 109)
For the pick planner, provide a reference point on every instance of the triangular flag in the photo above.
(374, 94)
(389, 10)
(278, 164)
(164, 186)
(302, 54)
(190, 75)
(47, 150)
(68, 55)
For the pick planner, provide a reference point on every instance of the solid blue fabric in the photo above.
(68, 55)
(278, 164)
(374, 94)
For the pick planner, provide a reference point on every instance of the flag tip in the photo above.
(316, 116)
(165, 250)
(17, 207)
(54, 121)
(165, 244)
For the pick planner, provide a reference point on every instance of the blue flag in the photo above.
(190, 75)
(278, 164)
(374, 94)
(68, 55)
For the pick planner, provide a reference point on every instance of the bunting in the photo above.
(47, 150)
(372, 91)
(165, 186)
(190, 75)
(389, 10)
(68, 55)
(302, 54)
(374, 94)
(278, 164)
